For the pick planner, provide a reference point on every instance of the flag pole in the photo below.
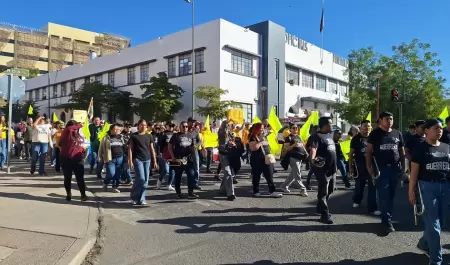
(322, 23)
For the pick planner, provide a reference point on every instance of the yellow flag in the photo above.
(55, 119)
(256, 120)
(206, 127)
(30, 110)
(314, 118)
(274, 121)
(369, 117)
(85, 129)
(304, 130)
(345, 147)
(444, 114)
(211, 140)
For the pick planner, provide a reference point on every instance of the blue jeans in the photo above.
(164, 169)
(93, 159)
(197, 169)
(4, 153)
(386, 187)
(342, 169)
(39, 150)
(52, 157)
(126, 172)
(435, 196)
(142, 170)
(114, 171)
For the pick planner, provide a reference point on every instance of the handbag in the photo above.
(269, 159)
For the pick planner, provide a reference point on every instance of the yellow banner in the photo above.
(79, 115)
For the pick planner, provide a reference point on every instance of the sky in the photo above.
(349, 24)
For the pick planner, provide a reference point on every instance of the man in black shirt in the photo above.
(324, 166)
(357, 166)
(445, 138)
(385, 147)
(430, 170)
(414, 140)
(164, 167)
(182, 149)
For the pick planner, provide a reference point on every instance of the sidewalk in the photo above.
(38, 226)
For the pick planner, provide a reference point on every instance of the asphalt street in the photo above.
(211, 230)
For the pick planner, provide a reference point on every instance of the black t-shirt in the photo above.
(326, 149)
(258, 155)
(413, 142)
(141, 145)
(433, 161)
(386, 146)
(182, 144)
(359, 145)
(295, 138)
(445, 138)
(117, 145)
(164, 140)
(156, 143)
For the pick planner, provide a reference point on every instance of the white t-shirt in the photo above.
(42, 133)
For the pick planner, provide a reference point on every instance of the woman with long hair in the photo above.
(111, 152)
(140, 151)
(261, 161)
(72, 155)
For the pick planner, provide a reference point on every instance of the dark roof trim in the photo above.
(318, 100)
(185, 52)
(230, 47)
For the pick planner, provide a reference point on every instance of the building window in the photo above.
(111, 77)
(87, 80)
(307, 79)
(200, 61)
(55, 91)
(321, 83)
(185, 64)
(63, 90)
(247, 109)
(172, 67)
(72, 86)
(98, 78)
(37, 95)
(30, 95)
(44, 93)
(344, 89)
(242, 63)
(131, 74)
(333, 86)
(292, 76)
(144, 72)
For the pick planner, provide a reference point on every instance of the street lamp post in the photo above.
(193, 55)
(263, 89)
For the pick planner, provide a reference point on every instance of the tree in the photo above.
(34, 72)
(215, 107)
(412, 69)
(105, 98)
(122, 106)
(160, 100)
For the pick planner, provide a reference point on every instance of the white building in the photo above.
(298, 76)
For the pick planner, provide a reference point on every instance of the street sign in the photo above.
(17, 72)
(17, 88)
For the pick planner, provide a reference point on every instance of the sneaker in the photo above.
(192, 196)
(355, 205)
(197, 188)
(424, 250)
(115, 190)
(326, 219)
(179, 196)
(276, 195)
(308, 188)
(304, 193)
(143, 203)
(84, 198)
(389, 228)
(68, 198)
(158, 184)
(376, 213)
(231, 198)
(170, 188)
(285, 190)
(257, 194)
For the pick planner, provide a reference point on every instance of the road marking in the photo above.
(202, 203)
(5, 252)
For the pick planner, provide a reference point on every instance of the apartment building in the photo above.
(53, 47)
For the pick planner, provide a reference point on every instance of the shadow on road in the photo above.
(408, 258)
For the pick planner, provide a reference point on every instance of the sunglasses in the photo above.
(184, 126)
(294, 128)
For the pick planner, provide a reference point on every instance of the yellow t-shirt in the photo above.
(4, 129)
(245, 133)
(57, 137)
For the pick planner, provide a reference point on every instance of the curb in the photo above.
(79, 249)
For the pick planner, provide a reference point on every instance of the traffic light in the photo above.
(394, 95)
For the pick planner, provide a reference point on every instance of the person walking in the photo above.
(42, 140)
(110, 154)
(140, 151)
(28, 138)
(72, 155)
